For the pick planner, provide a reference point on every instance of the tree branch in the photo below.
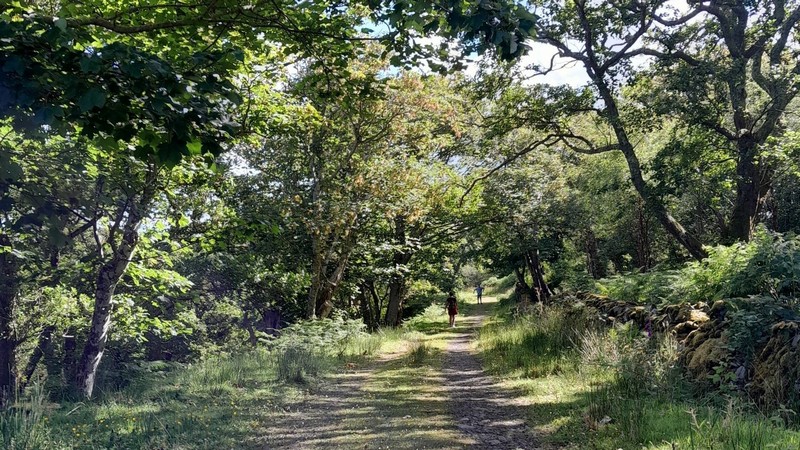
(547, 140)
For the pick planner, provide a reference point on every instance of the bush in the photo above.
(473, 275)
(432, 318)
(498, 285)
(421, 294)
(767, 265)
(332, 336)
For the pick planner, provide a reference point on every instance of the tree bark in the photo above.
(522, 289)
(654, 204)
(69, 360)
(316, 282)
(9, 289)
(593, 264)
(377, 301)
(540, 288)
(642, 237)
(108, 277)
(597, 71)
(45, 337)
(365, 306)
(752, 186)
(397, 282)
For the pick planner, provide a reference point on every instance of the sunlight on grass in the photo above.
(612, 388)
(226, 402)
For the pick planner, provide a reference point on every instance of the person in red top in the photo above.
(451, 304)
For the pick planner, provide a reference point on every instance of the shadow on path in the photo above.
(385, 405)
(392, 404)
(486, 412)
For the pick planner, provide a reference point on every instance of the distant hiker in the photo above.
(451, 305)
(479, 291)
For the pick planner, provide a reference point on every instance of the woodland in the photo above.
(209, 206)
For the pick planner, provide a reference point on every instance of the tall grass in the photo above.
(23, 425)
(297, 364)
(621, 387)
(532, 345)
(215, 403)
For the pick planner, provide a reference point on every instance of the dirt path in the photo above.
(391, 404)
(483, 410)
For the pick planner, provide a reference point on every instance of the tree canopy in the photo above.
(183, 176)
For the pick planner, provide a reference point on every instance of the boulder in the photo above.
(683, 329)
(698, 316)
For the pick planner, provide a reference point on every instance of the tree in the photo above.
(731, 68)
(155, 85)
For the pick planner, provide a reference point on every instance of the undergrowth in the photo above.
(602, 387)
(768, 265)
(220, 402)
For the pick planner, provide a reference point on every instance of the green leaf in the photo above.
(183, 221)
(93, 98)
(195, 147)
(61, 23)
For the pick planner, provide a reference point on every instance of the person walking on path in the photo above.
(451, 304)
(479, 291)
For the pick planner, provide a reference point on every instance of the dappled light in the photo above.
(399, 224)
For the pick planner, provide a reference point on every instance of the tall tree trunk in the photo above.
(69, 360)
(45, 336)
(654, 204)
(752, 186)
(377, 302)
(325, 301)
(541, 289)
(9, 289)
(593, 264)
(330, 284)
(402, 256)
(522, 289)
(365, 306)
(107, 279)
(642, 237)
(316, 282)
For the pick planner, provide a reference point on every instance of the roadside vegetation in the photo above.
(614, 372)
(221, 402)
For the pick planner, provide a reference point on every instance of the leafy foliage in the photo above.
(768, 265)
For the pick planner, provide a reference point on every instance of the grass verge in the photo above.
(599, 388)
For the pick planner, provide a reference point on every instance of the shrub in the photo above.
(767, 265)
(421, 294)
(332, 336)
